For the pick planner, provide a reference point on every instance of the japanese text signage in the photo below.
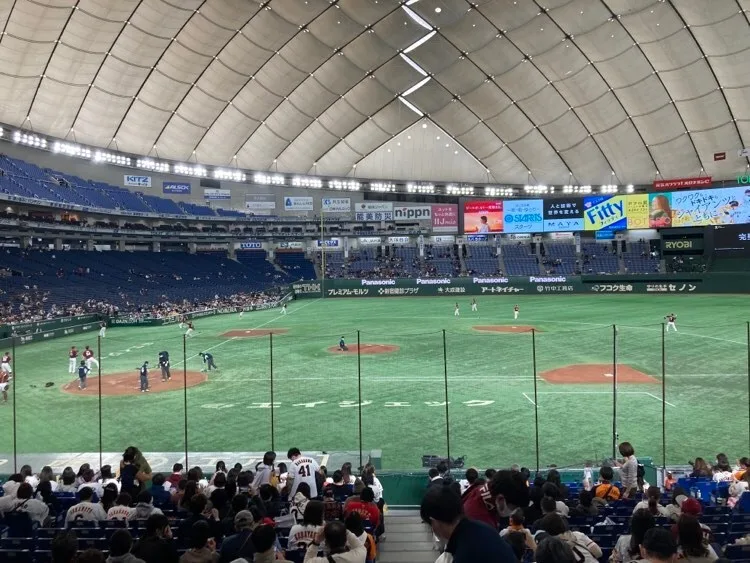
(523, 216)
(445, 218)
(563, 214)
(137, 181)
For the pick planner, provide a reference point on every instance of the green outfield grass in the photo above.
(490, 382)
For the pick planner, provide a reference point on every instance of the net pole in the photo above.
(359, 395)
(747, 326)
(184, 394)
(15, 384)
(447, 415)
(614, 391)
(663, 399)
(270, 345)
(536, 397)
(99, 379)
(322, 259)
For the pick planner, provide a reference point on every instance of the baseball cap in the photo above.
(691, 506)
(244, 519)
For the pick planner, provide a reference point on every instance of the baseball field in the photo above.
(560, 383)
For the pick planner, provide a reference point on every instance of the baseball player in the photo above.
(4, 383)
(166, 375)
(456, 312)
(182, 322)
(143, 371)
(83, 372)
(88, 356)
(190, 329)
(5, 364)
(671, 318)
(342, 345)
(102, 329)
(283, 309)
(72, 359)
(208, 361)
(515, 311)
(474, 305)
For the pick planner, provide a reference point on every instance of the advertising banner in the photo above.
(398, 240)
(563, 214)
(260, 204)
(214, 193)
(721, 206)
(374, 206)
(734, 237)
(636, 211)
(373, 216)
(336, 205)
(483, 216)
(329, 243)
(251, 245)
(680, 246)
(369, 241)
(291, 245)
(476, 238)
(445, 218)
(298, 203)
(137, 181)
(604, 212)
(523, 216)
(176, 187)
(443, 239)
(422, 213)
(704, 182)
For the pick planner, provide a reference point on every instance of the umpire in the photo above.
(143, 371)
(166, 375)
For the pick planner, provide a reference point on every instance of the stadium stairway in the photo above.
(408, 539)
(462, 262)
(501, 263)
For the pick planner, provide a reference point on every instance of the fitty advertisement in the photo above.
(483, 216)
(523, 216)
(563, 214)
(176, 188)
(604, 213)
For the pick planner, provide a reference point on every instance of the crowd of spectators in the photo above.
(508, 516)
(239, 514)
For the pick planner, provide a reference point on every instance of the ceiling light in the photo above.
(438, 10)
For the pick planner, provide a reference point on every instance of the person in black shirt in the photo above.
(83, 373)
(156, 546)
(143, 371)
(468, 541)
(208, 360)
(671, 318)
(164, 365)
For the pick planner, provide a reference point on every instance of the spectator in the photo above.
(651, 503)
(738, 487)
(121, 510)
(354, 524)
(553, 550)
(691, 507)
(586, 550)
(156, 545)
(128, 473)
(606, 490)
(554, 477)
(551, 490)
(700, 468)
(119, 548)
(497, 498)
(199, 512)
(68, 479)
(191, 489)
(332, 509)
(202, 545)
(23, 501)
(722, 469)
(221, 469)
(628, 470)
(435, 478)
(585, 506)
(301, 535)
(304, 470)
(264, 543)
(299, 501)
(371, 480)
(85, 510)
(471, 478)
(628, 547)
(366, 507)
(109, 496)
(344, 547)
(264, 472)
(10, 487)
(90, 555)
(44, 494)
(79, 476)
(516, 526)
(468, 541)
(88, 479)
(692, 544)
(239, 503)
(159, 493)
(64, 547)
(658, 546)
(47, 476)
(144, 507)
(674, 508)
(239, 544)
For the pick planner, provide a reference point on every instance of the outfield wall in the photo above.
(520, 285)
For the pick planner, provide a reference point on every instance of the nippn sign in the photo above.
(423, 213)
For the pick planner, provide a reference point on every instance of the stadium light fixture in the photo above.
(71, 149)
(269, 179)
(454, 189)
(414, 188)
(382, 187)
(350, 185)
(111, 158)
(30, 140)
(307, 182)
(233, 175)
(151, 164)
(187, 170)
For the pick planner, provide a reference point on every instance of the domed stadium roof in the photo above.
(524, 91)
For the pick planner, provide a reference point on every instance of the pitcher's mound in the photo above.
(365, 349)
(130, 383)
(254, 332)
(596, 373)
(505, 328)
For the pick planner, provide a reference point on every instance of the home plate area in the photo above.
(595, 373)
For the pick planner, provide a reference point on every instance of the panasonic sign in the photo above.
(435, 281)
(490, 280)
(378, 282)
(546, 279)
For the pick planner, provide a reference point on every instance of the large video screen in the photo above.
(732, 237)
(483, 216)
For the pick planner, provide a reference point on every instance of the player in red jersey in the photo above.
(5, 364)
(4, 384)
(88, 356)
(190, 329)
(72, 357)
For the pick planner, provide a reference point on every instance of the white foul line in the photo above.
(660, 399)
(597, 393)
(528, 399)
(254, 328)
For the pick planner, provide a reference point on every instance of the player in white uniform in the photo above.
(283, 309)
(72, 360)
(88, 355)
(671, 318)
(474, 305)
(301, 470)
(102, 329)
(4, 383)
(456, 312)
(5, 364)
(515, 311)
(190, 330)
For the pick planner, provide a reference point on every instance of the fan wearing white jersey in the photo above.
(301, 470)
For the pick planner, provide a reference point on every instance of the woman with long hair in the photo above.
(191, 489)
(722, 469)
(651, 503)
(700, 468)
(109, 495)
(302, 534)
(67, 481)
(627, 547)
(691, 545)
(47, 475)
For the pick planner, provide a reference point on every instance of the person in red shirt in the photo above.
(88, 356)
(506, 491)
(72, 357)
(4, 383)
(365, 507)
(5, 367)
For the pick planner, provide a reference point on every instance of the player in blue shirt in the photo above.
(83, 372)
(342, 345)
(208, 361)
(143, 370)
